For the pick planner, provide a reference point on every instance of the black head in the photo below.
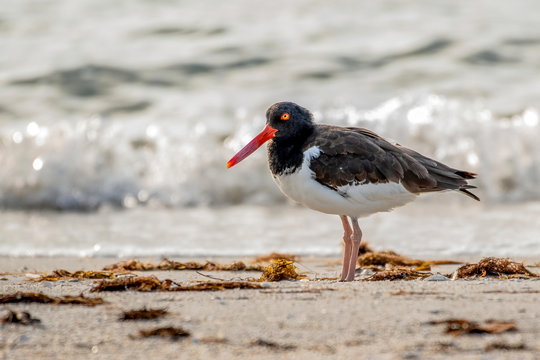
(289, 119)
(289, 125)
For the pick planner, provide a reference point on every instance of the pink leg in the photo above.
(347, 232)
(356, 238)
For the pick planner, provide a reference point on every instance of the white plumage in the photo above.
(352, 200)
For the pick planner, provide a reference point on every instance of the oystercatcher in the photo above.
(347, 171)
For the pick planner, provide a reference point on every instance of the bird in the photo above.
(346, 171)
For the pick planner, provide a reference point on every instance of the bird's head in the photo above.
(283, 120)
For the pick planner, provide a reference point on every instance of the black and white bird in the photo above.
(346, 171)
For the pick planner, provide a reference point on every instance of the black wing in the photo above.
(359, 156)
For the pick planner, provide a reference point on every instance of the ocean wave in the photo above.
(83, 165)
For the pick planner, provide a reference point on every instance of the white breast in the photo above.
(351, 200)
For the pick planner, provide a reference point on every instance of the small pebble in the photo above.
(437, 277)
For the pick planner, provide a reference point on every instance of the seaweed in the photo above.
(279, 270)
(143, 314)
(381, 258)
(216, 285)
(166, 264)
(272, 345)
(164, 332)
(137, 283)
(29, 297)
(151, 283)
(62, 274)
(494, 267)
(505, 346)
(18, 317)
(275, 256)
(398, 273)
(130, 265)
(458, 327)
(364, 248)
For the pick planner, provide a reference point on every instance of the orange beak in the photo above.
(265, 135)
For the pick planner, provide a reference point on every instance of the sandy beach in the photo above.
(303, 319)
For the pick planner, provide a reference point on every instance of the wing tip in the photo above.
(466, 174)
(468, 193)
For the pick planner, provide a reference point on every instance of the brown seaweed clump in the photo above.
(171, 333)
(130, 265)
(364, 248)
(18, 317)
(279, 270)
(143, 314)
(382, 258)
(166, 264)
(498, 267)
(61, 274)
(274, 256)
(29, 297)
(398, 273)
(151, 283)
(458, 327)
(136, 283)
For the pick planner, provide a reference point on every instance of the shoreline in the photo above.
(322, 319)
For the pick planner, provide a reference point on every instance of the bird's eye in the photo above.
(285, 116)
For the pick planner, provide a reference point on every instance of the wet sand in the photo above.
(305, 319)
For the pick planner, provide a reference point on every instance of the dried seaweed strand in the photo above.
(458, 327)
(150, 283)
(166, 332)
(29, 297)
(166, 264)
(62, 274)
(398, 273)
(381, 258)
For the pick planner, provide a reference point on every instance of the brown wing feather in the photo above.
(354, 155)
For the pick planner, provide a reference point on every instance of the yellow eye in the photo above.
(285, 116)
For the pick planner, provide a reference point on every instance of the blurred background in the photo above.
(117, 119)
